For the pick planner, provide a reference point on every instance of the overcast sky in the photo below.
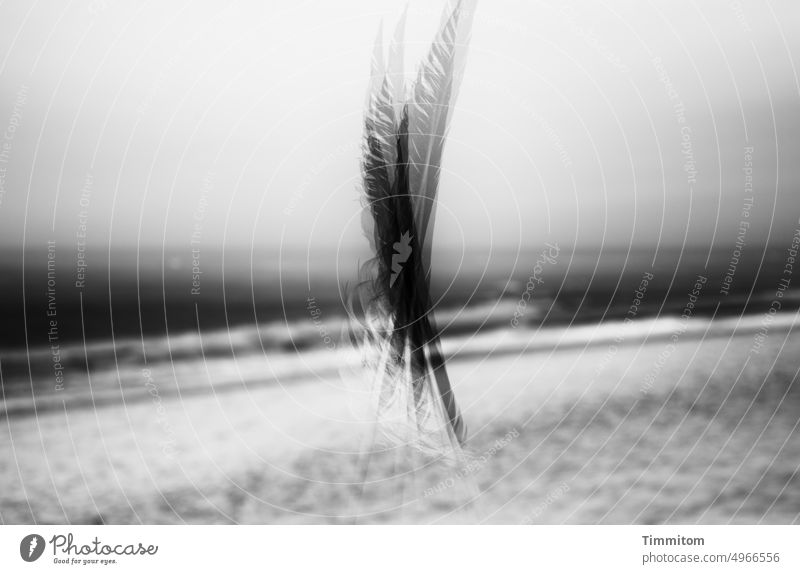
(582, 124)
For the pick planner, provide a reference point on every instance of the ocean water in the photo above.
(251, 326)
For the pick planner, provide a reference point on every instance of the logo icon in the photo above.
(402, 252)
(31, 547)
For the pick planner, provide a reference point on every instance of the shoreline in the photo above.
(294, 367)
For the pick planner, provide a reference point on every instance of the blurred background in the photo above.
(614, 263)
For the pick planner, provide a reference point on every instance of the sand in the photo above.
(705, 432)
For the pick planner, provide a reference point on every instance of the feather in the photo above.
(435, 90)
(404, 135)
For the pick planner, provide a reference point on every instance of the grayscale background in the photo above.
(177, 180)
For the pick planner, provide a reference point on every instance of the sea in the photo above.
(228, 320)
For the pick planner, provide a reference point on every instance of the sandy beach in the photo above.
(702, 431)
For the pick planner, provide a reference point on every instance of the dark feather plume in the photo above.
(403, 144)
